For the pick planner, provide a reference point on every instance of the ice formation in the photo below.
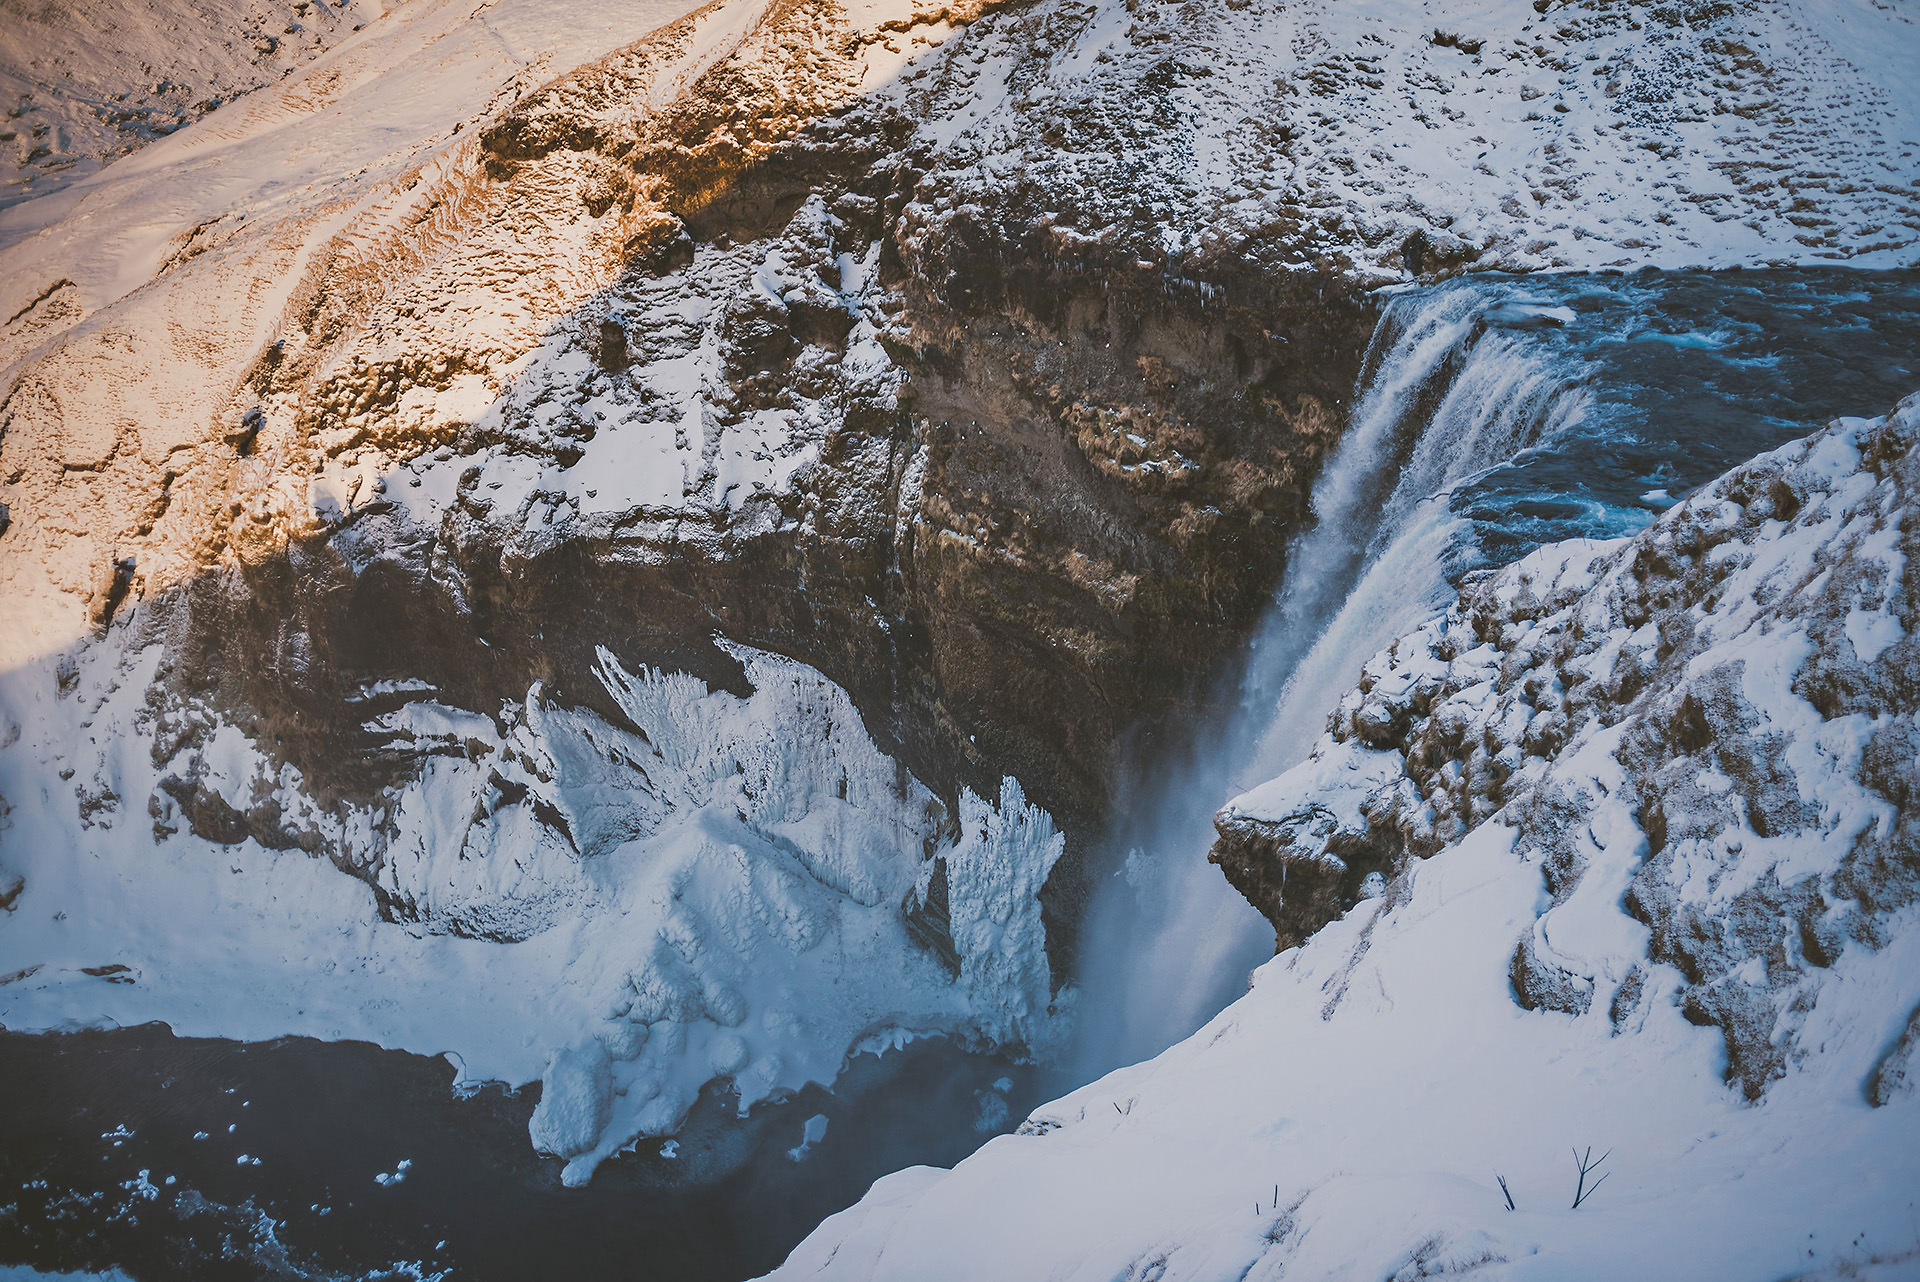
(713, 887)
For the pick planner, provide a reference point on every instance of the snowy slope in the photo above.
(1509, 135)
(1645, 811)
(85, 81)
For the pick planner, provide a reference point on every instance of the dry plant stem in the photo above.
(1586, 1163)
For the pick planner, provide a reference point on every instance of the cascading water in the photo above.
(1494, 414)
(1451, 392)
(1446, 394)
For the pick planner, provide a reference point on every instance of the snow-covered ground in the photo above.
(351, 90)
(1501, 134)
(85, 81)
(1669, 911)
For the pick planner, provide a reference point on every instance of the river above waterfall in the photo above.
(1688, 374)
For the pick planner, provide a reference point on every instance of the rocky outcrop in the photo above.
(1720, 712)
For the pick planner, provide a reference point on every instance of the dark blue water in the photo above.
(1688, 375)
(100, 1165)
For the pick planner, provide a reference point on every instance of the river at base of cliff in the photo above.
(166, 1157)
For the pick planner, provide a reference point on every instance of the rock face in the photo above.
(1721, 712)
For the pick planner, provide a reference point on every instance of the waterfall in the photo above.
(1451, 386)
(1453, 393)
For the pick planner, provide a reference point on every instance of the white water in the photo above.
(1446, 395)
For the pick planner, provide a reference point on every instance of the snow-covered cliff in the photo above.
(1625, 848)
(707, 886)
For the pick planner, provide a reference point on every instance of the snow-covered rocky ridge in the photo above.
(1626, 846)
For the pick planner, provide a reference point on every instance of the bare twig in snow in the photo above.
(1587, 1163)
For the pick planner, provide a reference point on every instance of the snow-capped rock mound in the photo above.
(1620, 791)
(1749, 664)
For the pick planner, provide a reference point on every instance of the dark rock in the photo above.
(1297, 894)
(1895, 1076)
(613, 342)
(1539, 984)
(243, 436)
(929, 921)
